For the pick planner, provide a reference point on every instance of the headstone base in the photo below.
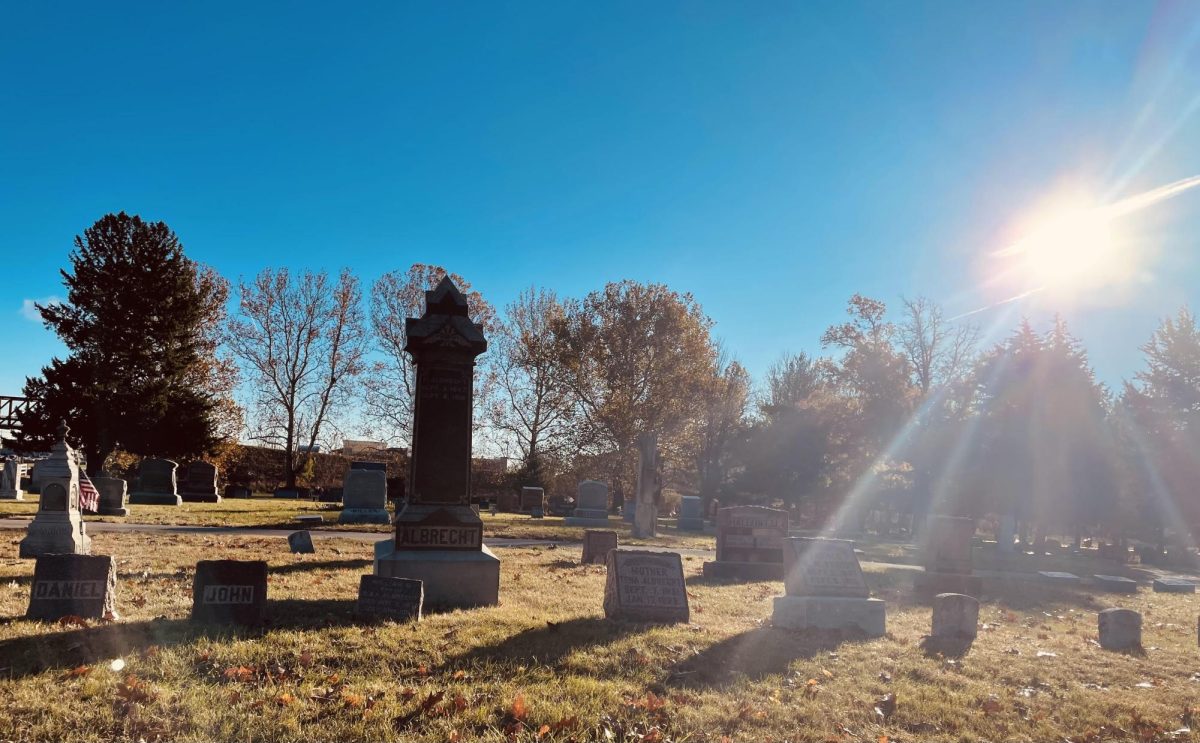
(155, 499)
(603, 523)
(589, 513)
(454, 579)
(690, 524)
(200, 497)
(821, 612)
(60, 536)
(744, 570)
(929, 584)
(365, 516)
(113, 511)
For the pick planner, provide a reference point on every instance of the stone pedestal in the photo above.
(112, 492)
(1120, 629)
(364, 497)
(691, 517)
(868, 616)
(463, 575)
(57, 528)
(156, 484)
(591, 506)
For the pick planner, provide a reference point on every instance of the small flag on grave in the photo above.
(89, 497)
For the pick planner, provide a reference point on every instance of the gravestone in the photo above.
(1006, 531)
(57, 527)
(330, 495)
(397, 599)
(80, 585)
(1120, 629)
(238, 491)
(439, 539)
(301, 543)
(825, 589)
(596, 546)
(955, 617)
(200, 485)
(1059, 578)
(649, 487)
(230, 592)
(750, 542)
(156, 484)
(591, 505)
(112, 492)
(10, 480)
(533, 501)
(364, 497)
(645, 586)
(628, 509)
(691, 514)
(947, 545)
(1173, 585)
(1115, 584)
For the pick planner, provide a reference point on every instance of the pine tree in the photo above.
(140, 324)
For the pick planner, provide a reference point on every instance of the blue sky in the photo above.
(771, 158)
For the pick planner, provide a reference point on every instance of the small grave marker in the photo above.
(301, 542)
(79, 585)
(1054, 576)
(398, 599)
(230, 592)
(596, 545)
(1120, 629)
(644, 586)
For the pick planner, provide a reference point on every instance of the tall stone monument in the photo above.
(156, 484)
(649, 485)
(439, 538)
(57, 528)
(591, 505)
(200, 485)
(10, 480)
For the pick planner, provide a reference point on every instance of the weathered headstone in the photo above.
(645, 586)
(57, 527)
(691, 514)
(649, 487)
(398, 599)
(825, 589)
(439, 539)
(364, 497)
(200, 485)
(301, 542)
(1120, 629)
(1173, 585)
(596, 546)
(591, 505)
(10, 480)
(750, 542)
(80, 585)
(238, 491)
(230, 592)
(1058, 577)
(533, 501)
(156, 484)
(1115, 583)
(955, 617)
(112, 492)
(947, 557)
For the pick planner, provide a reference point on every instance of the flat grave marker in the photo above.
(1055, 576)
(1173, 585)
(398, 599)
(1115, 583)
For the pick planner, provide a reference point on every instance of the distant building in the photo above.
(496, 465)
(306, 449)
(359, 447)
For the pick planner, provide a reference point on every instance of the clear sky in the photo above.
(771, 158)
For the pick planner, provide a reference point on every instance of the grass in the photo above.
(545, 665)
(279, 513)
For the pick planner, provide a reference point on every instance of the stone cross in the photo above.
(649, 487)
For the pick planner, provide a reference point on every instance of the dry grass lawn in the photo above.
(545, 665)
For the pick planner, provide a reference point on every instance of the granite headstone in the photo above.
(79, 585)
(645, 586)
(230, 592)
(398, 599)
(596, 546)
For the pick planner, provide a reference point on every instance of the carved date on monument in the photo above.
(441, 383)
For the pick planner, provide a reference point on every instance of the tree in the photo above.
(141, 324)
(636, 358)
(302, 340)
(389, 383)
(937, 352)
(718, 426)
(534, 405)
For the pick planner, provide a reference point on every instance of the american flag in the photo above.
(89, 497)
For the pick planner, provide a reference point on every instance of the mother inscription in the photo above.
(645, 586)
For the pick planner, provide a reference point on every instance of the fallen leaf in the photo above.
(78, 672)
(885, 706)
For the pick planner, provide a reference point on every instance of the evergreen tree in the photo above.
(140, 324)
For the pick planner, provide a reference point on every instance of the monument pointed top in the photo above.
(445, 299)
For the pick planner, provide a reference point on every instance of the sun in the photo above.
(1069, 250)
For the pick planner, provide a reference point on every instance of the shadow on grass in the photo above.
(755, 654)
(549, 644)
(302, 567)
(946, 647)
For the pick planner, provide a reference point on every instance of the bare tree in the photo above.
(389, 382)
(302, 340)
(721, 420)
(534, 404)
(938, 351)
